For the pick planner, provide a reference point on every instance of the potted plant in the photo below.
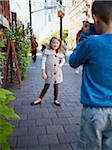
(17, 35)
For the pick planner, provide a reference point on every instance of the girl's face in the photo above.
(55, 44)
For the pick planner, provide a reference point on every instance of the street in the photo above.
(46, 126)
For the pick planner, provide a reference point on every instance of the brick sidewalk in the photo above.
(46, 126)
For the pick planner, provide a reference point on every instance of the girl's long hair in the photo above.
(60, 46)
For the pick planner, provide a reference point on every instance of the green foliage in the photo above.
(6, 113)
(23, 57)
(1, 33)
(17, 35)
(57, 34)
(45, 41)
(1, 57)
(2, 43)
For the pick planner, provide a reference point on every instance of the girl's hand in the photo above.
(58, 66)
(44, 75)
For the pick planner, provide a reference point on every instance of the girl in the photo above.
(52, 62)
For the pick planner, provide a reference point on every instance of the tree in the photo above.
(57, 34)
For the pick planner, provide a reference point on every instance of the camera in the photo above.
(92, 29)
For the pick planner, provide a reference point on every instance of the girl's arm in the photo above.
(62, 62)
(44, 57)
(44, 75)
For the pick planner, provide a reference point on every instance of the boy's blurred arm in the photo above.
(84, 35)
(80, 54)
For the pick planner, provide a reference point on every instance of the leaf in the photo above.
(5, 146)
(2, 97)
(9, 99)
(5, 96)
(1, 33)
(5, 91)
(5, 131)
(8, 113)
(2, 43)
(1, 57)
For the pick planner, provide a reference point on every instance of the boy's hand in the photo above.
(44, 75)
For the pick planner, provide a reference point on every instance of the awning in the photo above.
(4, 21)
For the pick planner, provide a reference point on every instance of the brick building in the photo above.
(4, 13)
(4, 17)
(79, 11)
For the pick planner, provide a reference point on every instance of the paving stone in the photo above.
(67, 138)
(40, 109)
(14, 123)
(12, 141)
(43, 122)
(35, 115)
(71, 120)
(71, 128)
(27, 141)
(48, 139)
(20, 132)
(55, 109)
(49, 115)
(62, 121)
(20, 149)
(64, 114)
(55, 129)
(36, 130)
(39, 148)
(26, 123)
(61, 147)
(23, 116)
(23, 109)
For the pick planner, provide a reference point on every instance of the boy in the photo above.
(95, 53)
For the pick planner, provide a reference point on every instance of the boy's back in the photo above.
(97, 70)
(95, 53)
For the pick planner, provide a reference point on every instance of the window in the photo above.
(73, 2)
(49, 18)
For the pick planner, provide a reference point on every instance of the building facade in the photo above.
(47, 20)
(79, 11)
(4, 17)
(4, 14)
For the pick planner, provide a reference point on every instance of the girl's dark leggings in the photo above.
(46, 87)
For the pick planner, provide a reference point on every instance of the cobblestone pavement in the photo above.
(46, 126)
